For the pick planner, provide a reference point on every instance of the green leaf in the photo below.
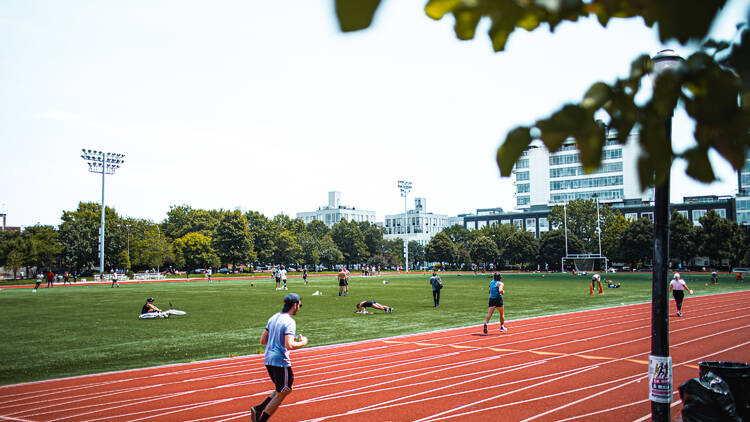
(354, 15)
(515, 144)
(436, 9)
(598, 95)
(466, 23)
(699, 167)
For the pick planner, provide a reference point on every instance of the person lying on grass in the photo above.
(362, 307)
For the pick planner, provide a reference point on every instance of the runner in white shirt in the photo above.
(282, 272)
(678, 286)
(279, 337)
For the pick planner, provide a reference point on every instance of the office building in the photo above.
(333, 212)
(418, 224)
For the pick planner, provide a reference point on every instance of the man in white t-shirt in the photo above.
(279, 337)
(282, 273)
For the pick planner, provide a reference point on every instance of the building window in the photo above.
(543, 224)
(523, 163)
(611, 154)
(522, 200)
(592, 182)
(522, 188)
(531, 225)
(522, 175)
(697, 215)
(631, 216)
(481, 223)
(648, 215)
(683, 213)
(721, 212)
(518, 222)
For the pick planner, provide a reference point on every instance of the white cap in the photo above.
(676, 275)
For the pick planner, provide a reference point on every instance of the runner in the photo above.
(497, 290)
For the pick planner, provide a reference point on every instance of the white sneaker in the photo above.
(286, 288)
(34, 290)
(502, 328)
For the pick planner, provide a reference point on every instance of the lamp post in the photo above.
(405, 187)
(128, 226)
(598, 227)
(659, 362)
(104, 163)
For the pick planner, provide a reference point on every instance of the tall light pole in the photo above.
(598, 227)
(405, 187)
(128, 226)
(659, 361)
(104, 163)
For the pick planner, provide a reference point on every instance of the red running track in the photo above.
(590, 365)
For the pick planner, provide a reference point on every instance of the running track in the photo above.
(588, 365)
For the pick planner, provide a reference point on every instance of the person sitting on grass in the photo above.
(362, 307)
(149, 310)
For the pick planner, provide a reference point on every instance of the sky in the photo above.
(267, 106)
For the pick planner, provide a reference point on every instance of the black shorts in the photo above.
(368, 304)
(496, 302)
(282, 377)
(342, 282)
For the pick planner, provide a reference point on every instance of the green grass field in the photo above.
(77, 330)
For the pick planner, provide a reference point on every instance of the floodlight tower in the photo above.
(104, 163)
(405, 187)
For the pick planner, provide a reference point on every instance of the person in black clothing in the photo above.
(149, 307)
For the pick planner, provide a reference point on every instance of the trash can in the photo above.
(737, 375)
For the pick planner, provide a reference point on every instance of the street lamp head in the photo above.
(665, 60)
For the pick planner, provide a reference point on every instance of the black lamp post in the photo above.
(660, 363)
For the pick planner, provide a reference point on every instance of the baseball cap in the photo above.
(290, 300)
(151, 299)
(498, 276)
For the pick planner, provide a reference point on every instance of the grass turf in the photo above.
(65, 331)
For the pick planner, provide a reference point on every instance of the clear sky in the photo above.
(266, 106)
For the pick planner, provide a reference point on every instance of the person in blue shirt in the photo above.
(496, 301)
(279, 337)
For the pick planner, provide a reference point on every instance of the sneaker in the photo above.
(485, 328)
(502, 328)
(34, 290)
(253, 414)
(679, 313)
(390, 310)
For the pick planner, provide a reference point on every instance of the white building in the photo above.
(743, 196)
(334, 212)
(542, 178)
(419, 225)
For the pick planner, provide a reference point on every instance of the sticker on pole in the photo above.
(660, 378)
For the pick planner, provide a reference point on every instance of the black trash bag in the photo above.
(707, 399)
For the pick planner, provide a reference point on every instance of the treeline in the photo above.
(194, 238)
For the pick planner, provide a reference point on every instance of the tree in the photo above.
(440, 249)
(581, 221)
(552, 247)
(373, 238)
(288, 250)
(45, 250)
(718, 238)
(330, 255)
(264, 232)
(310, 246)
(350, 241)
(79, 235)
(522, 249)
(484, 250)
(681, 238)
(318, 229)
(612, 236)
(233, 240)
(194, 250)
(416, 253)
(458, 234)
(638, 242)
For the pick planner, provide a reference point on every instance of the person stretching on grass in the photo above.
(279, 338)
(362, 307)
(497, 290)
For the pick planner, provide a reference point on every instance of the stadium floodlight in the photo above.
(104, 163)
(661, 396)
(405, 187)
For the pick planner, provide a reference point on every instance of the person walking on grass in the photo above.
(677, 286)
(279, 337)
(114, 279)
(437, 285)
(497, 290)
(282, 272)
(304, 274)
